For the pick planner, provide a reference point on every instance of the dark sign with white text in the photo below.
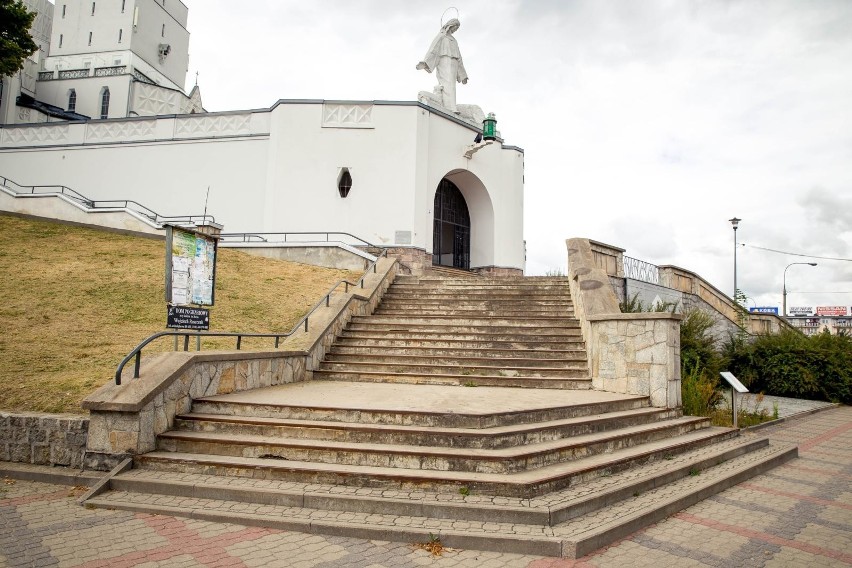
(180, 317)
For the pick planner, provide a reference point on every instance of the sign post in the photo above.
(736, 386)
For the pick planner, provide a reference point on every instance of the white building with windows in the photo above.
(110, 59)
(405, 175)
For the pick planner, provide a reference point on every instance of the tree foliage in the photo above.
(16, 44)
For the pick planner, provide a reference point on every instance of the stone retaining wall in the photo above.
(43, 439)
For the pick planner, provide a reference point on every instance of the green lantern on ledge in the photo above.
(489, 127)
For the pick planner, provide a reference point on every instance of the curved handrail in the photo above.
(105, 203)
(265, 237)
(137, 351)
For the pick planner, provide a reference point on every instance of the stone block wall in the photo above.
(637, 354)
(627, 353)
(43, 439)
(497, 271)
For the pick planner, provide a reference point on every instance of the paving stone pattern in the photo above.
(799, 514)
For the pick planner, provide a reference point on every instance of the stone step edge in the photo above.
(421, 359)
(487, 432)
(473, 417)
(525, 451)
(352, 335)
(442, 368)
(471, 352)
(476, 481)
(471, 511)
(599, 537)
(460, 377)
(520, 543)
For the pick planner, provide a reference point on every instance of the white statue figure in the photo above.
(444, 57)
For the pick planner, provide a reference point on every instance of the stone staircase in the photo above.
(462, 408)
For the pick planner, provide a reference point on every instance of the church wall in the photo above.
(496, 220)
(310, 144)
(169, 176)
(277, 170)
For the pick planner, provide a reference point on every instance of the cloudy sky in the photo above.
(646, 124)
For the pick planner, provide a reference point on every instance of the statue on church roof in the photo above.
(444, 57)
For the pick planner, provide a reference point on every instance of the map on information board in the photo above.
(190, 267)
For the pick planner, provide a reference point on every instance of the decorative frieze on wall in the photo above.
(347, 115)
(206, 126)
(105, 132)
(153, 100)
(26, 136)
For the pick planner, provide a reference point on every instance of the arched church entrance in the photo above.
(451, 229)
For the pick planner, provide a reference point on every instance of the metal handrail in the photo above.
(640, 270)
(266, 237)
(106, 203)
(302, 323)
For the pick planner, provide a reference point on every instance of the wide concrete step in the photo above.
(507, 296)
(477, 303)
(415, 405)
(482, 438)
(473, 314)
(463, 331)
(498, 322)
(526, 482)
(354, 338)
(552, 509)
(470, 364)
(510, 459)
(459, 379)
(610, 509)
(361, 348)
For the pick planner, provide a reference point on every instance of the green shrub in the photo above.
(791, 364)
(697, 346)
(699, 394)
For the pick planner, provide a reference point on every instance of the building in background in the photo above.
(811, 321)
(105, 59)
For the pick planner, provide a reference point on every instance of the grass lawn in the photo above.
(77, 300)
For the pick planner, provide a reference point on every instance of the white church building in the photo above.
(405, 175)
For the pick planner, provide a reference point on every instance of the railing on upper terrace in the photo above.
(641, 270)
(296, 237)
(302, 324)
(127, 204)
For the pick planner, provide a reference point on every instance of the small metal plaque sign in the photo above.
(733, 381)
(180, 317)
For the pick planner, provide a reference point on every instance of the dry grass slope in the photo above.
(76, 300)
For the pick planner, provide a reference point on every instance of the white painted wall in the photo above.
(277, 170)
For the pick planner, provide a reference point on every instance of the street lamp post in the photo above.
(735, 223)
(784, 303)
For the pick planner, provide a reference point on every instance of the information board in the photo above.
(180, 317)
(733, 381)
(190, 267)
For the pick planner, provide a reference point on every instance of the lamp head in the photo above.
(735, 222)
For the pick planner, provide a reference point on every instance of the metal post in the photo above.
(734, 404)
(784, 300)
(198, 343)
(735, 223)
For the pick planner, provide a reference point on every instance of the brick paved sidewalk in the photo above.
(797, 515)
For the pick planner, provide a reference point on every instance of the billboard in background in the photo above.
(764, 310)
(831, 311)
(802, 311)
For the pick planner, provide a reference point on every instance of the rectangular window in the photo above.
(90, 38)
(93, 8)
(120, 33)
(60, 40)
(63, 11)
(163, 31)
(122, 6)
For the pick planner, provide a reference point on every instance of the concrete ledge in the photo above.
(636, 317)
(48, 474)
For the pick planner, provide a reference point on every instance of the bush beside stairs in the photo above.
(462, 410)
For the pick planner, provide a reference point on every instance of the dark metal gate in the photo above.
(451, 230)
